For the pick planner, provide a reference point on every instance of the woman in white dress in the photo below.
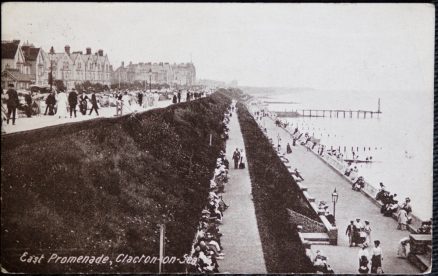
(62, 102)
(126, 99)
(367, 230)
(242, 158)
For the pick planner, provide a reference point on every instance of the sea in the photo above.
(399, 140)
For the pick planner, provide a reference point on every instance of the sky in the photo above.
(321, 46)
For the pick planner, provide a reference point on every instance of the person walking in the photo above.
(402, 219)
(28, 100)
(126, 103)
(376, 258)
(119, 105)
(51, 101)
(83, 103)
(236, 158)
(94, 104)
(140, 98)
(288, 149)
(179, 96)
(364, 257)
(350, 232)
(47, 103)
(367, 230)
(62, 104)
(73, 101)
(242, 159)
(12, 103)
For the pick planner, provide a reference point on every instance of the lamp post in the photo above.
(150, 80)
(334, 200)
(52, 51)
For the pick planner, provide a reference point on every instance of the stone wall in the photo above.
(309, 225)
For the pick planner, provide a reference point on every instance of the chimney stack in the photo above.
(123, 64)
(67, 49)
(88, 51)
(100, 52)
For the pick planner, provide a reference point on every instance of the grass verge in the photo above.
(103, 186)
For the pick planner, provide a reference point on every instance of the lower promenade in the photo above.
(321, 180)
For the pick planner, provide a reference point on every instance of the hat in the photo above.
(10, 85)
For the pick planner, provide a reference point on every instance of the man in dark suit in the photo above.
(12, 103)
(94, 104)
(236, 158)
(73, 101)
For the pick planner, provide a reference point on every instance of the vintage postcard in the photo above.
(217, 138)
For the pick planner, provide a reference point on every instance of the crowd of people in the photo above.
(359, 234)
(391, 206)
(63, 103)
(207, 248)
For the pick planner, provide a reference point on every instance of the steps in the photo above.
(421, 251)
(420, 261)
(316, 238)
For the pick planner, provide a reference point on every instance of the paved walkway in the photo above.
(241, 239)
(321, 181)
(40, 121)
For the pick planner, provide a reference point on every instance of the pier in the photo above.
(331, 113)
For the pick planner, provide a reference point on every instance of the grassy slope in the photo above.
(103, 186)
(274, 190)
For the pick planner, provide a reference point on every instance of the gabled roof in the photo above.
(9, 49)
(75, 56)
(18, 76)
(30, 53)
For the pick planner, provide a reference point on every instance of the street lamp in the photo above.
(334, 200)
(51, 53)
(150, 80)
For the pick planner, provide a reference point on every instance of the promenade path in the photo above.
(40, 121)
(241, 239)
(321, 181)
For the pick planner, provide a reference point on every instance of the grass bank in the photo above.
(103, 186)
(274, 190)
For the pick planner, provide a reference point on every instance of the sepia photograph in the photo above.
(217, 138)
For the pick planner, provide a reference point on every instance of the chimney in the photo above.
(123, 64)
(16, 41)
(67, 49)
(88, 51)
(100, 52)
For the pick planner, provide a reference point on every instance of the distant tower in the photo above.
(378, 106)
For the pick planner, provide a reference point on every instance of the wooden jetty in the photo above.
(332, 113)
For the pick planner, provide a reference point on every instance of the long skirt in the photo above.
(376, 262)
